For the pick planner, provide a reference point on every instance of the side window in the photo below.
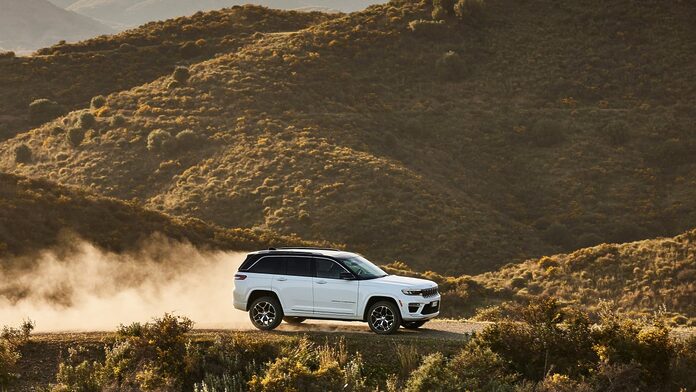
(269, 265)
(327, 269)
(299, 266)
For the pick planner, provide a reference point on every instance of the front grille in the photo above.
(429, 292)
(430, 309)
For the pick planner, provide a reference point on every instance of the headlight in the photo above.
(411, 292)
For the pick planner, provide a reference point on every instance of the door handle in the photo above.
(282, 279)
(321, 282)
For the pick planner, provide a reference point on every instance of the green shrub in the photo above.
(479, 369)
(98, 102)
(187, 139)
(469, 9)
(428, 28)
(443, 8)
(160, 140)
(22, 154)
(181, 74)
(11, 340)
(118, 121)
(432, 375)
(43, 110)
(75, 136)
(302, 369)
(86, 120)
(190, 50)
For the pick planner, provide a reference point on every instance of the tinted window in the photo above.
(269, 265)
(328, 269)
(299, 266)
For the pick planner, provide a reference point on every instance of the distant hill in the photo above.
(32, 24)
(63, 3)
(136, 12)
(35, 215)
(636, 278)
(71, 74)
(526, 129)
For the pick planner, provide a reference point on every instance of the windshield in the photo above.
(363, 268)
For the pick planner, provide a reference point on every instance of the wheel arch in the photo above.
(255, 294)
(376, 298)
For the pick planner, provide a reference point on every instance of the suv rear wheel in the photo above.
(384, 318)
(265, 313)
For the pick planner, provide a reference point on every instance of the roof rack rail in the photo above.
(304, 247)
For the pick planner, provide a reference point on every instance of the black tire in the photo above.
(413, 324)
(294, 320)
(384, 318)
(266, 313)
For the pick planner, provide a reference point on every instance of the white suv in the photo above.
(295, 284)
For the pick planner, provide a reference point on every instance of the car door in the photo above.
(294, 285)
(333, 296)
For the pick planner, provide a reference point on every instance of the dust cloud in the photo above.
(87, 289)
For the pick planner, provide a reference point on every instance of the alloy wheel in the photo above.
(263, 314)
(382, 318)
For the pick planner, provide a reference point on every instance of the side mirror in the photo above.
(347, 276)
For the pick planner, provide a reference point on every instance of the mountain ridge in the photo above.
(481, 149)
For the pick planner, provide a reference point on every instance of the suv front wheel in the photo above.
(384, 318)
(265, 313)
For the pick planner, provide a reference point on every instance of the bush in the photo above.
(145, 357)
(450, 66)
(86, 120)
(432, 375)
(118, 121)
(7, 55)
(11, 340)
(471, 10)
(190, 50)
(160, 140)
(75, 136)
(442, 9)
(428, 28)
(479, 369)
(43, 110)
(181, 74)
(187, 139)
(22, 154)
(302, 369)
(98, 102)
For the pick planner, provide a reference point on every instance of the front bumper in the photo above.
(415, 308)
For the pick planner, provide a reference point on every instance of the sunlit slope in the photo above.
(456, 147)
(641, 277)
(36, 215)
(71, 74)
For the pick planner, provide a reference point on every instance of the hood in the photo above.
(404, 282)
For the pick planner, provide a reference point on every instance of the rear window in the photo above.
(299, 266)
(269, 265)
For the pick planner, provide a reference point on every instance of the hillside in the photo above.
(456, 146)
(638, 279)
(71, 74)
(36, 215)
(136, 12)
(31, 24)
